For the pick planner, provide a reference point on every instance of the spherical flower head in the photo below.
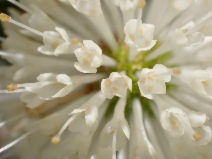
(56, 43)
(116, 85)
(185, 37)
(152, 81)
(84, 109)
(140, 38)
(89, 57)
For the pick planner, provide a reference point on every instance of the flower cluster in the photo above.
(107, 79)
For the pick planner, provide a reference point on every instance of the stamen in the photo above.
(141, 4)
(177, 71)
(56, 139)
(197, 136)
(15, 91)
(6, 18)
(16, 141)
(12, 87)
(21, 6)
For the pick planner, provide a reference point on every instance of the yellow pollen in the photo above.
(5, 18)
(205, 83)
(55, 43)
(142, 4)
(150, 88)
(140, 32)
(174, 122)
(114, 89)
(107, 83)
(197, 136)
(132, 37)
(12, 87)
(55, 139)
(85, 60)
(176, 71)
(75, 41)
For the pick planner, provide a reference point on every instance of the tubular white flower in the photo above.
(116, 130)
(56, 43)
(174, 120)
(116, 85)
(177, 122)
(89, 57)
(87, 114)
(52, 86)
(140, 146)
(140, 38)
(152, 81)
(186, 37)
(199, 80)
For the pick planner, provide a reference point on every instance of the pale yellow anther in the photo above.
(55, 139)
(177, 71)
(141, 4)
(55, 43)
(5, 18)
(197, 136)
(107, 83)
(150, 88)
(114, 89)
(12, 87)
(141, 32)
(205, 83)
(174, 123)
(75, 41)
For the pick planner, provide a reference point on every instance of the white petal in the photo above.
(91, 115)
(152, 43)
(197, 118)
(64, 91)
(63, 34)
(64, 48)
(63, 78)
(46, 49)
(47, 77)
(84, 68)
(196, 38)
(179, 37)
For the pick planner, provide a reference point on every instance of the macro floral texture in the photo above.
(106, 79)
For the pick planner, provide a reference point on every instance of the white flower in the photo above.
(140, 146)
(152, 81)
(185, 36)
(89, 57)
(85, 106)
(56, 43)
(87, 115)
(116, 85)
(199, 80)
(116, 131)
(140, 38)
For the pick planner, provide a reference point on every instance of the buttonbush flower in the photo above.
(109, 79)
